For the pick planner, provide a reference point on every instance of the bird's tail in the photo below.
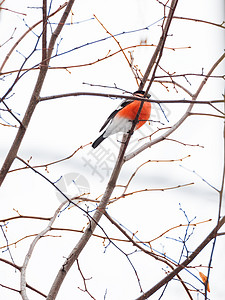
(98, 141)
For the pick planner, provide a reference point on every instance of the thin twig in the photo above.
(181, 120)
(207, 115)
(24, 217)
(23, 36)
(13, 11)
(176, 84)
(19, 268)
(159, 49)
(121, 49)
(97, 216)
(51, 163)
(150, 190)
(151, 161)
(130, 97)
(200, 21)
(185, 263)
(221, 191)
(108, 55)
(84, 281)
(34, 98)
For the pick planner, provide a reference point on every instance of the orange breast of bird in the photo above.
(130, 111)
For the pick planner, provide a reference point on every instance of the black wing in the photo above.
(112, 115)
(122, 105)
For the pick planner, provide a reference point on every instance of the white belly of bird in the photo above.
(118, 125)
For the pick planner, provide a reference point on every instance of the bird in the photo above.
(121, 119)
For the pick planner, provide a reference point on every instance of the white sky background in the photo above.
(59, 127)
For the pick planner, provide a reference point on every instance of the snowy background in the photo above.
(59, 127)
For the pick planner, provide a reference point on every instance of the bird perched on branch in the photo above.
(121, 119)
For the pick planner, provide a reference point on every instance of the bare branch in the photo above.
(159, 49)
(184, 264)
(25, 237)
(200, 21)
(121, 49)
(24, 217)
(175, 84)
(204, 114)
(91, 227)
(182, 119)
(34, 98)
(13, 11)
(44, 35)
(10, 263)
(23, 36)
(108, 55)
(221, 191)
(150, 161)
(151, 190)
(109, 95)
(51, 163)
(19, 268)
(84, 281)
(31, 249)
